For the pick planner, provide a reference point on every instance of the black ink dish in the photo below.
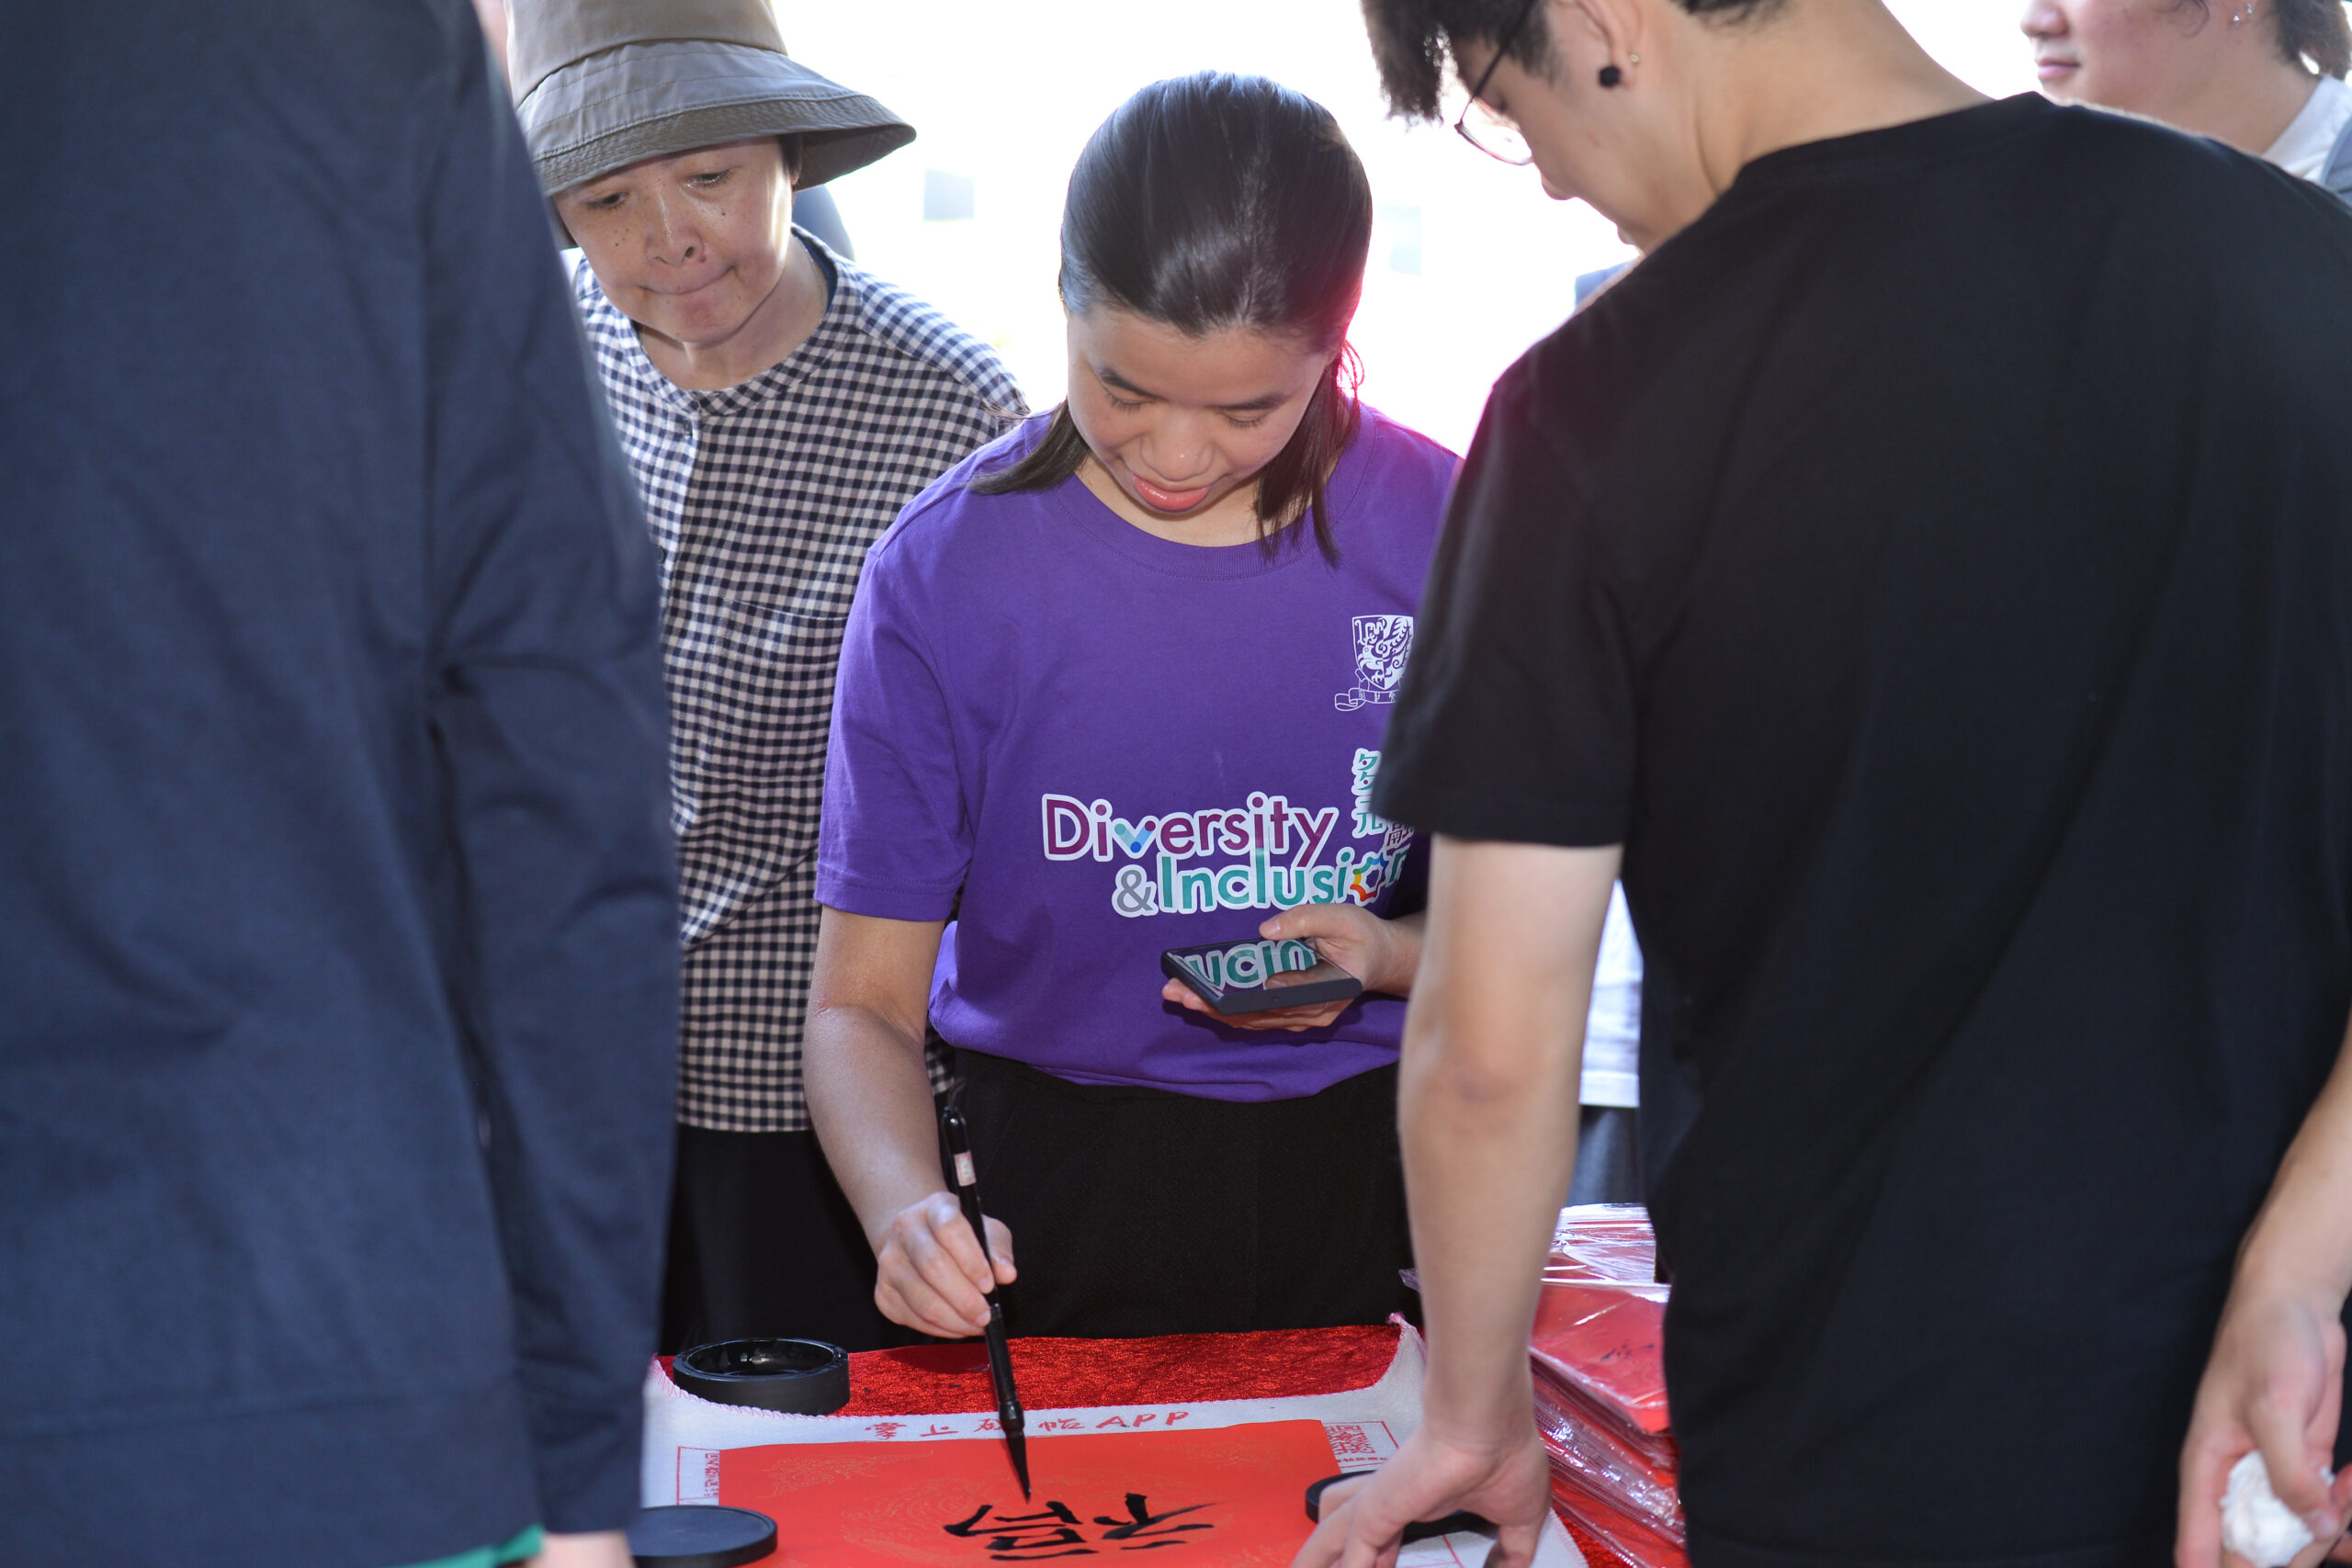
(800, 1377)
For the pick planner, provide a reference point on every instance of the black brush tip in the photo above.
(1019, 1447)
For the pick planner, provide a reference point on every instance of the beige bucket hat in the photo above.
(600, 83)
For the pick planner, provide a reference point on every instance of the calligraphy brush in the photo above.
(1008, 1398)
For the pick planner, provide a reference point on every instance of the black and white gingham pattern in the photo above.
(764, 498)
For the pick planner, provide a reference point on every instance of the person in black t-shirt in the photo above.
(1929, 571)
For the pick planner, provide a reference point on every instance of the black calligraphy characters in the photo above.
(1059, 1531)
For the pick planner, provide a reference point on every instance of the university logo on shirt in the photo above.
(1382, 644)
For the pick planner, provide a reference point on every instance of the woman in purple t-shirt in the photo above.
(1117, 685)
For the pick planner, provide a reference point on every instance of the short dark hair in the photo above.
(1211, 202)
(1412, 41)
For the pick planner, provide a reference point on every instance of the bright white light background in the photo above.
(1470, 262)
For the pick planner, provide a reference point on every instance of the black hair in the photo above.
(2316, 30)
(1412, 41)
(1212, 202)
(2313, 31)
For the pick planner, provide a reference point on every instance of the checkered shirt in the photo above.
(764, 498)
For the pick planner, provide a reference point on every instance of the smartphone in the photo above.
(1254, 976)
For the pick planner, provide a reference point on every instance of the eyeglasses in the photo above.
(1480, 125)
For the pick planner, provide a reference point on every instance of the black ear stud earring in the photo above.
(1611, 76)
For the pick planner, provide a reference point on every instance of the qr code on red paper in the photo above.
(1360, 1445)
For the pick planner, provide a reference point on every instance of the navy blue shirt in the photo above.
(337, 906)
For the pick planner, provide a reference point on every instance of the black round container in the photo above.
(801, 1377)
(700, 1536)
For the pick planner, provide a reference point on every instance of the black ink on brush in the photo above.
(1211, 202)
(967, 1189)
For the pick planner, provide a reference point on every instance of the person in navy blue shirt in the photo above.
(338, 988)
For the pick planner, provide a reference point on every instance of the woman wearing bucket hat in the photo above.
(779, 406)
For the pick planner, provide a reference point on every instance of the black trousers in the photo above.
(1137, 1212)
(763, 1245)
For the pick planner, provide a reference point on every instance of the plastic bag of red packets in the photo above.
(1601, 1385)
(1601, 1320)
(1586, 1455)
(1611, 1242)
(1597, 1525)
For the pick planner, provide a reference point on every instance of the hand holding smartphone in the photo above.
(1258, 975)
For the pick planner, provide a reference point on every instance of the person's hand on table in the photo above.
(2274, 1382)
(1506, 1480)
(1383, 955)
(601, 1549)
(933, 1278)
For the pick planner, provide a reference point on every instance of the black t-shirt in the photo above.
(1935, 566)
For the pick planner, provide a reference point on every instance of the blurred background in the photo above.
(1470, 262)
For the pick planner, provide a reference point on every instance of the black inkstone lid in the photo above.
(801, 1377)
(700, 1536)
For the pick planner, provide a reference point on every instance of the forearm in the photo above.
(2301, 1240)
(1486, 1158)
(869, 1099)
(1488, 1110)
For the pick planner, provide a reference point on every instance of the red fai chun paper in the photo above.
(1231, 1497)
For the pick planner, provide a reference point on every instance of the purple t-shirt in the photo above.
(1115, 744)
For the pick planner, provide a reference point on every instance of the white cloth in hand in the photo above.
(2255, 1524)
